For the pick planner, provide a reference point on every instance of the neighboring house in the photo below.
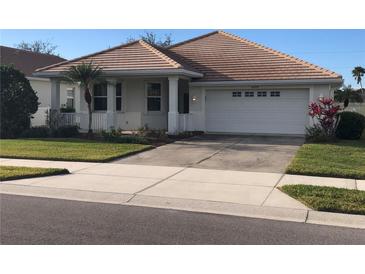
(216, 83)
(27, 62)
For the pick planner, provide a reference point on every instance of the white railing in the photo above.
(99, 120)
(69, 119)
(185, 122)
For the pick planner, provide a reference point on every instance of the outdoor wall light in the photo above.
(194, 99)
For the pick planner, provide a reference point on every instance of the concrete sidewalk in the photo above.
(251, 194)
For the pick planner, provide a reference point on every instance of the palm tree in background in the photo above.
(347, 94)
(358, 73)
(86, 74)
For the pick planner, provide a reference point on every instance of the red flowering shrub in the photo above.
(324, 113)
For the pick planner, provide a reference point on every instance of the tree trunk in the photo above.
(87, 96)
(90, 131)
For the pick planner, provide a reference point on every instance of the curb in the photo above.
(202, 206)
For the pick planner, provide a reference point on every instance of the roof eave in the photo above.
(139, 72)
(267, 82)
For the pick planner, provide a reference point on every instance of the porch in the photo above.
(130, 103)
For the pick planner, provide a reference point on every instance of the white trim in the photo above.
(266, 82)
(139, 72)
(30, 78)
(149, 112)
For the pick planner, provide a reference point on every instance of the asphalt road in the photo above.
(30, 220)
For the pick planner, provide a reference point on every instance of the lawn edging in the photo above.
(21, 172)
(68, 150)
(328, 199)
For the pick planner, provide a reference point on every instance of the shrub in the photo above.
(324, 115)
(115, 137)
(350, 126)
(316, 134)
(36, 132)
(18, 101)
(66, 132)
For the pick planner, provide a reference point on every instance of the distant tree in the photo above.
(38, 46)
(86, 74)
(151, 38)
(347, 94)
(18, 101)
(358, 73)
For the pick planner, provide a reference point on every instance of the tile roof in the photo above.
(218, 55)
(26, 61)
(221, 56)
(131, 56)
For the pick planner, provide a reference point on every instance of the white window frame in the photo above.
(93, 98)
(275, 93)
(236, 94)
(72, 91)
(249, 94)
(262, 94)
(146, 97)
(121, 97)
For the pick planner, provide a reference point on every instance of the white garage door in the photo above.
(279, 112)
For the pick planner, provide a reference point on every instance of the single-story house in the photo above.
(216, 83)
(27, 62)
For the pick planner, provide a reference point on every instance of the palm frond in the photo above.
(85, 73)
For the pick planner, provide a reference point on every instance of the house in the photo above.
(216, 83)
(27, 62)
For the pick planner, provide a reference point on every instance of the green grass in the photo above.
(67, 149)
(12, 173)
(339, 159)
(329, 199)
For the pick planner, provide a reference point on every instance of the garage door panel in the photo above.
(286, 114)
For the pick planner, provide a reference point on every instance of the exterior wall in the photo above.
(134, 112)
(42, 87)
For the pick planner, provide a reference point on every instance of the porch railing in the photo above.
(99, 120)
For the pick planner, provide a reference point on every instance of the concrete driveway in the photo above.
(226, 152)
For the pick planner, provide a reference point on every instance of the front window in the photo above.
(118, 97)
(100, 97)
(153, 97)
(70, 101)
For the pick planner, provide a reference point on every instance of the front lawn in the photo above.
(12, 173)
(67, 149)
(339, 159)
(329, 199)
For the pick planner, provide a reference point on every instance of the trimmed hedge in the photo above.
(124, 139)
(45, 132)
(350, 126)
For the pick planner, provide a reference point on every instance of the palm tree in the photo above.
(86, 74)
(358, 73)
(347, 94)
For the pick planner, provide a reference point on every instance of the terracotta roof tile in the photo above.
(132, 56)
(221, 56)
(26, 61)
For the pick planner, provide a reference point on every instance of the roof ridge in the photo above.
(160, 54)
(193, 39)
(88, 55)
(295, 59)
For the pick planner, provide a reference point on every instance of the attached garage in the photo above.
(257, 111)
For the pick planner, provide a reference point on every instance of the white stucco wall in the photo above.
(42, 87)
(134, 107)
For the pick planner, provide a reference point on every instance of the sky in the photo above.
(337, 50)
